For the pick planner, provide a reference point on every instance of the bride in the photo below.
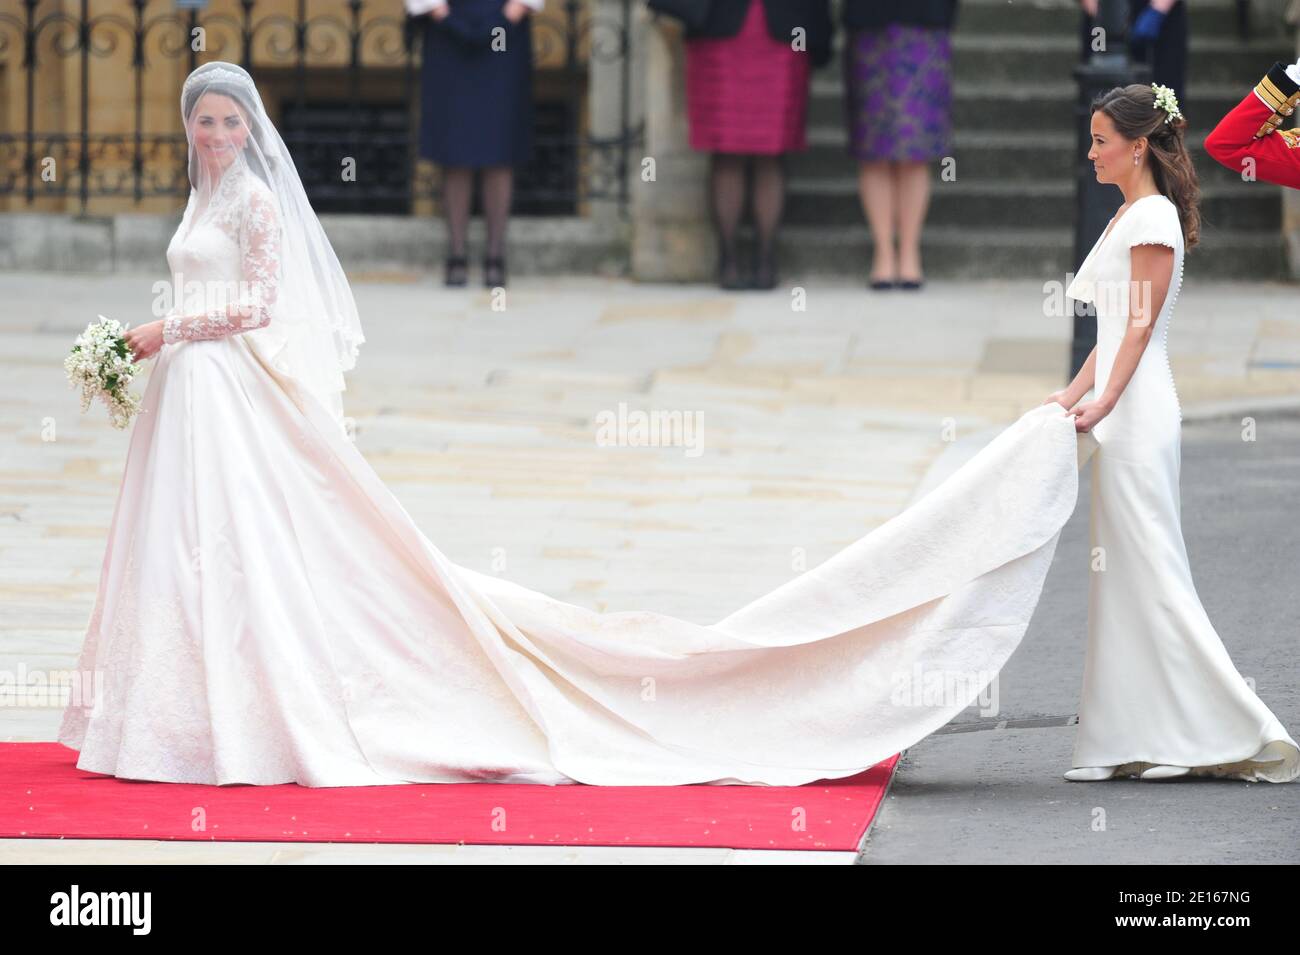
(268, 612)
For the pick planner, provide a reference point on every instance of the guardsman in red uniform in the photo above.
(1250, 131)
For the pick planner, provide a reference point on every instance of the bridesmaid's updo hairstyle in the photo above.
(1134, 112)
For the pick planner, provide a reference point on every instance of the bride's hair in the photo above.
(1134, 112)
(255, 156)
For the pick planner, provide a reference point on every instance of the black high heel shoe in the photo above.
(494, 271)
(729, 276)
(456, 270)
(764, 272)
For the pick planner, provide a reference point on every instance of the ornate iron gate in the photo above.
(343, 76)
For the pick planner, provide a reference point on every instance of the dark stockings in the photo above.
(769, 200)
(457, 190)
(727, 186)
(498, 183)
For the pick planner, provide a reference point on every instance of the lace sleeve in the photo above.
(259, 248)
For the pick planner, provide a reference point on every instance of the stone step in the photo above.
(976, 203)
(558, 246)
(402, 247)
(1045, 253)
(979, 154)
(1042, 106)
(1001, 59)
(1026, 59)
(1061, 17)
(1020, 154)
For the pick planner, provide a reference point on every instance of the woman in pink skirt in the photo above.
(747, 75)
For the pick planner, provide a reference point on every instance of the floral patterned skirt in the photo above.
(898, 93)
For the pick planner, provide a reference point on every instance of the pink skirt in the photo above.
(746, 93)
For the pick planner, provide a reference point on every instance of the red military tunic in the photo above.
(1248, 140)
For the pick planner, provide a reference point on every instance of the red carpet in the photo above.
(44, 795)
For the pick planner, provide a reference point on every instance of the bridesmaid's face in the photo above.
(218, 129)
(1111, 154)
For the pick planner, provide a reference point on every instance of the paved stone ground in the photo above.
(816, 424)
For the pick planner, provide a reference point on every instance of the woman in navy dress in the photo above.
(476, 112)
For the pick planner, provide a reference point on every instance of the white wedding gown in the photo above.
(1158, 685)
(268, 613)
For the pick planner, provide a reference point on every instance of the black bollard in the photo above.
(1095, 203)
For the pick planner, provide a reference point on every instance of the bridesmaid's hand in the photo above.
(441, 12)
(145, 341)
(1087, 415)
(1060, 398)
(514, 11)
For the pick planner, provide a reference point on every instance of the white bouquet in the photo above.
(100, 364)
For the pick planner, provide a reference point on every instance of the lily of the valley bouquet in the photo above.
(100, 363)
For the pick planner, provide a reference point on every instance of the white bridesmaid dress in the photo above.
(1158, 685)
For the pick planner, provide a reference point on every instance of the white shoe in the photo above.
(1090, 774)
(1165, 772)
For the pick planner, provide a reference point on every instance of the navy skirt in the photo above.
(476, 104)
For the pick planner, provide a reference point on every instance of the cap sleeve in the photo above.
(1156, 223)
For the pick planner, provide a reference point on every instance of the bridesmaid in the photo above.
(1161, 698)
(747, 102)
(898, 92)
(476, 112)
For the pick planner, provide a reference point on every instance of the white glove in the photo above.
(1293, 71)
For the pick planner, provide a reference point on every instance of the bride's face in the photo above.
(1111, 154)
(218, 129)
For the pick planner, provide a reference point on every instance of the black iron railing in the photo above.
(341, 77)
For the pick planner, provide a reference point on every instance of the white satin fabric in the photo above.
(269, 613)
(1158, 684)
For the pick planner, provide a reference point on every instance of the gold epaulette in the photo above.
(1281, 93)
(1291, 137)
